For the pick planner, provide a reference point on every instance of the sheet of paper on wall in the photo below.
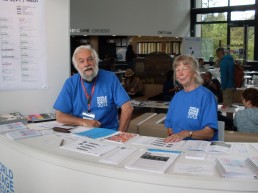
(24, 52)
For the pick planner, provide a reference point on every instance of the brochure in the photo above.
(121, 137)
(207, 146)
(12, 127)
(157, 162)
(89, 146)
(96, 133)
(119, 155)
(24, 133)
(155, 142)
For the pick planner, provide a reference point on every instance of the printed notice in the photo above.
(22, 45)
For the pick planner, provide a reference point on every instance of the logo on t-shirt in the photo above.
(102, 101)
(193, 113)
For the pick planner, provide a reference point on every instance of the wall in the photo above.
(58, 65)
(130, 18)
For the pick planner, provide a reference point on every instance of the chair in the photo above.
(221, 130)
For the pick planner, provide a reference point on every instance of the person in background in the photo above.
(227, 68)
(90, 98)
(130, 56)
(213, 85)
(201, 64)
(247, 120)
(192, 112)
(170, 87)
(133, 84)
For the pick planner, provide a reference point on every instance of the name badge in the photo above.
(87, 115)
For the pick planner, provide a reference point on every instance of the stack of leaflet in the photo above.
(253, 161)
(12, 118)
(12, 127)
(232, 167)
(23, 133)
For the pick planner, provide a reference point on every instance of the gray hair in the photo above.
(193, 63)
(87, 47)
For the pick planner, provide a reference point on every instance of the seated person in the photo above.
(201, 64)
(169, 87)
(133, 85)
(213, 85)
(247, 120)
(192, 112)
(90, 97)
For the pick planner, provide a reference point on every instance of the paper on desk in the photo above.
(198, 167)
(155, 142)
(152, 161)
(119, 155)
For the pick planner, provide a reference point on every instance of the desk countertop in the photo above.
(39, 165)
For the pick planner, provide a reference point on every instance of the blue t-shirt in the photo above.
(193, 111)
(108, 95)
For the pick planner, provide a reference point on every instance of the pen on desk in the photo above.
(61, 143)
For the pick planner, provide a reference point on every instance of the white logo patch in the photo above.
(193, 113)
(102, 101)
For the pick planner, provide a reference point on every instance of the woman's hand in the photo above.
(177, 137)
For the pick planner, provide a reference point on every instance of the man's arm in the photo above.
(125, 117)
(71, 120)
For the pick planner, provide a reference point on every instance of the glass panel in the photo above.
(245, 2)
(237, 42)
(212, 17)
(216, 32)
(250, 43)
(211, 3)
(242, 15)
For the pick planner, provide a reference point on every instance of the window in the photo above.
(229, 23)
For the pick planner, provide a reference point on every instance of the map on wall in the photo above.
(23, 57)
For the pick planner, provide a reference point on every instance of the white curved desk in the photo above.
(38, 165)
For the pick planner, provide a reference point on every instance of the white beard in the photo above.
(89, 78)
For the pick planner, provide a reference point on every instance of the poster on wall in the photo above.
(23, 57)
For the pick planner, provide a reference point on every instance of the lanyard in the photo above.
(87, 95)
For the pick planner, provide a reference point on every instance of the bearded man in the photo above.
(92, 96)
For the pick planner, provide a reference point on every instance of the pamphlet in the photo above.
(12, 127)
(96, 133)
(89, 146)
(24, 133)
(157, 162)
(121, 137)
(207, 146)
(41, 117)
(155, 142)
(119, 155)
